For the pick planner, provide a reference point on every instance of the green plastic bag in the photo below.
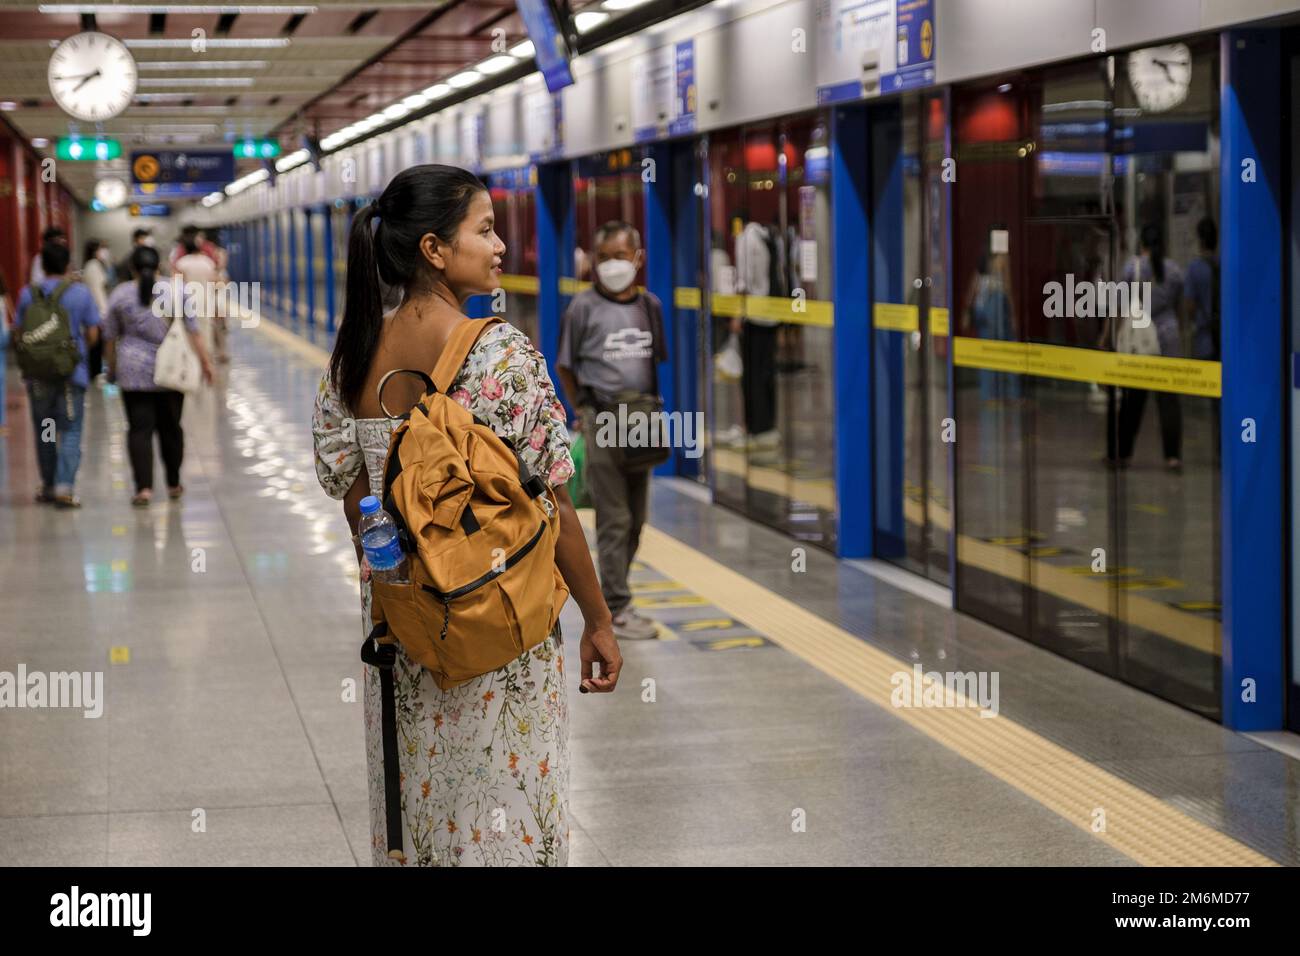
(578, 483)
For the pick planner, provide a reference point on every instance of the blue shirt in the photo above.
(1199, 288)
(82, 314)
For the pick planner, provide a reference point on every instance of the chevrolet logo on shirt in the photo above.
(628, 344)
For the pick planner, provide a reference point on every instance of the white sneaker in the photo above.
(767, 439)
(630, 626)
(734, 435)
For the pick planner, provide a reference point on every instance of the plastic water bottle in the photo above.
(379, 541)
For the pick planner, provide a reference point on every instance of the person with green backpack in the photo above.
(57, 323)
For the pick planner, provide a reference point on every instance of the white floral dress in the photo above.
(484, 766)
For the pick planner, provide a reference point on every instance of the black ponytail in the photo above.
(1154, 242)
(144, 263)
(418, 201)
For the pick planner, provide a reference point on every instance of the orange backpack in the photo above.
(479, 533)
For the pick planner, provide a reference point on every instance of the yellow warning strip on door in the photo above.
(1137, 824)
(895, 317)
(523, 285)
(1157, 373)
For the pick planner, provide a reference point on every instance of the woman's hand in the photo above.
(599, 646)
(208, 372)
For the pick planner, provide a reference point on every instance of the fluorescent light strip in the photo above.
(496, 64)
(437, 91)
(622, 4)
(178, 8)
(197, 64)
(464, 79)
(589, 20)
(524, 50)
(166, 81)
(296, 158)
(214, 43)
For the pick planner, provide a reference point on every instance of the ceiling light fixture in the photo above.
(523, 50)
(8, 106)
(146, 66)
(464, 79)
(395, 112)
(415, 101)
(496, 64)
(155, 82)
(181, 8)
(589, 20)
(437, 91)
(296, 158)
(622, 4)
(214, 43)
(40, 142)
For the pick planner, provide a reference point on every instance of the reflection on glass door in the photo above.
(913, 429)
(765, 234)
(1087, 514)
(513, 209)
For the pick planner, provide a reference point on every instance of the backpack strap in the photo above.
(457, 349)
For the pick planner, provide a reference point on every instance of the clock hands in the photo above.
(83, 77)
(1166, 64)
(86, 79)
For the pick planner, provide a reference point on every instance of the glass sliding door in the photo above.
(912, 430)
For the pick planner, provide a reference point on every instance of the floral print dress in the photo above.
(484, 766)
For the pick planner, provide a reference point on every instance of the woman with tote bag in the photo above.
(137, 324)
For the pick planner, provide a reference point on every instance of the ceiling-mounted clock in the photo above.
(1160, 76)
(92, 76)
(110, 192)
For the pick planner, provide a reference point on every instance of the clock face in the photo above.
(1160, 76)
(111, 193)
(92, 76)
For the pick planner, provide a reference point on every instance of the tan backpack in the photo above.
(479, 533)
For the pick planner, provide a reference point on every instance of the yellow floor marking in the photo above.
(119, 530)
(730, 643)
(681, 600)
(1138, 824)
(708, 624)
(119, 655)
(644, 587)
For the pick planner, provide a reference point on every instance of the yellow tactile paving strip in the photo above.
(1142, 827)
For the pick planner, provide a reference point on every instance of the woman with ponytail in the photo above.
(137, 322)
(485, 765)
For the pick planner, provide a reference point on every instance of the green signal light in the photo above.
(254, 148)
(87, 149)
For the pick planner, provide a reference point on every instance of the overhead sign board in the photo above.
(181, 172)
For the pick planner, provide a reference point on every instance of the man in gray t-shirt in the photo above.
(611, 336)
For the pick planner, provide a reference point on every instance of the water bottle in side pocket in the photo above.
(379, 540)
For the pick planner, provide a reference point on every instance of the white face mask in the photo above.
(616, 274)
(147, 241)
(103, 256)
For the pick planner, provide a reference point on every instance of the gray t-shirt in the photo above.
(612, 346)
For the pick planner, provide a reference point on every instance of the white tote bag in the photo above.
(1136, 333)
(177, 366)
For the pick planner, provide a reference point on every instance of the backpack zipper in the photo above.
(447, 597)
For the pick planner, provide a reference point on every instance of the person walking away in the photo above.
(52, 234)
(611, 336)
(140, 237)
(193, 266)
(94, 273)
(137, 323)
(57, 322)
